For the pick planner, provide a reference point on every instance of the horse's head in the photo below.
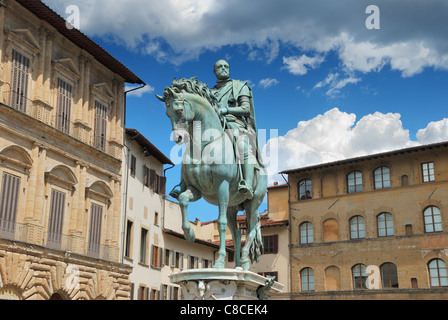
(180, 113)
(183, 101)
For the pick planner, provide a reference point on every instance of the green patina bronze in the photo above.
(222, 163)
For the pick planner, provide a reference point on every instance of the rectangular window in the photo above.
(64, 106)
(100, 126)
(428, 171)
(8, 205)
(56, 219)
(133, 165)
(270, 244)
(19, 83)
(143, 246)
(128, 245)
(96, 215)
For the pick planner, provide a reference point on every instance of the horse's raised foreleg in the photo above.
(189, 195)
(223, 200)
(236, 235)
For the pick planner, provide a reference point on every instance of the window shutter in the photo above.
(131, 294)
(56, 219)
(95, 229)
(173, 258)
(147, 294)
(8, 203)
(153, 257)
(100, 126)
(275, 238)
(159, 265)
(19, 87)
(152, 179)
(64, 106)
(181, 261)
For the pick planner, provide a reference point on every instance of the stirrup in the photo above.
(243, 188)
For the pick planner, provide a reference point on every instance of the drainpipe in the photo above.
(164, 198)
(290, 237)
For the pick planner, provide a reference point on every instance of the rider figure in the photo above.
(235, 103)
(235, 108)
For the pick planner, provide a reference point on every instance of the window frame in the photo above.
(439, 276)
(144, 241)
(428, 172)
(392, 273)
(270, 244)
(358, 230)
(386, 226)
(304, 187)
(306, 227)
(379, 176)
(433, 223)
(357, 182)
(307, 280)
(362, 276)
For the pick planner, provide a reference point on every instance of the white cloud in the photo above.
(269, 82)
(335, 83)
(139, 92)
(336, 135)
(301, 65)
(436, 131)
(409, 58)
(188, 28)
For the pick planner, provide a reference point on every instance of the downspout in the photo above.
(164, 198)
(290, 237)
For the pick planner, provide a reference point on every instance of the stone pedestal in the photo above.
(224, 284)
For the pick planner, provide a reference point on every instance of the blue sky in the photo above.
(331, 87)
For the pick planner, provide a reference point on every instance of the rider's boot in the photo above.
(246, 184)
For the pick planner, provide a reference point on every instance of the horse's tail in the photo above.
(256, 247)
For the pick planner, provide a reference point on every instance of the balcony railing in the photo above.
(62, 122)
(33, 234)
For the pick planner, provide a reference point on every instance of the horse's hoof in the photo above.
(219, 265)
(245, 265)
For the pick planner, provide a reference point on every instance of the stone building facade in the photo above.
(373, 227)
(62, 106)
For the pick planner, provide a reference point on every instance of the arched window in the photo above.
(354, 182)
(306, 233)
(305, 191)
(357, 228)
(359, 274)
(432, 219)
(438, 273)
(307, 279)
(389, 275)
(385, 223)
(382, 178)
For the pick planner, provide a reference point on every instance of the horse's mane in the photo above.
(193, 86)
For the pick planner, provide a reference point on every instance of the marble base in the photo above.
(224, 284)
